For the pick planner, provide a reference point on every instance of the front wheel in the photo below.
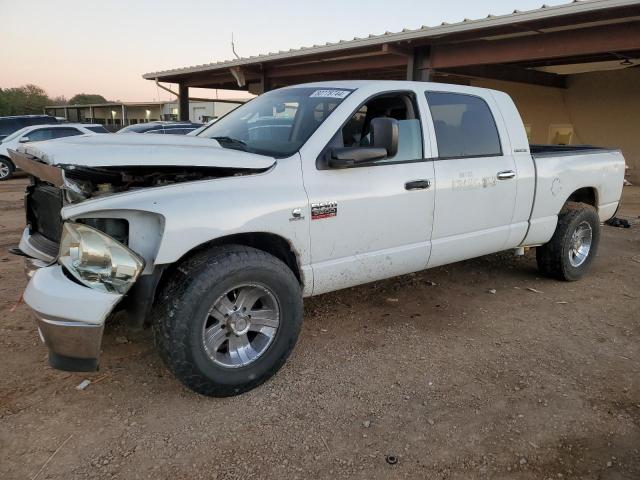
(228, 319)
(6, 169)
(570, 252)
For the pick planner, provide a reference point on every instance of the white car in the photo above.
(38, 133)
(214, 240)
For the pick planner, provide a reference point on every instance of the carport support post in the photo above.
(419, 65)
(183, 102)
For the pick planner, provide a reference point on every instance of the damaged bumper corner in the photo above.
(70, 318)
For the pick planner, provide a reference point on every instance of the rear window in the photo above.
(98, 129)
(464, 126)
(65, 132)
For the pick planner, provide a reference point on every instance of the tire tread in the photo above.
(171, 329)
(552, 256)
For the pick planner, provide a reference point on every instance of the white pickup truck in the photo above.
(214, 240)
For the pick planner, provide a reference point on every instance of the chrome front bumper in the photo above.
(73, 346)
(70, 317)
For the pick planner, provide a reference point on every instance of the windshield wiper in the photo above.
(231, 142)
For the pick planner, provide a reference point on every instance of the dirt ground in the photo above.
(455, 381)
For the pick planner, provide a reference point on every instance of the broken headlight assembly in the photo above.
(97, 260)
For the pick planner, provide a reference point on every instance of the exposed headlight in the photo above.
(97, 260)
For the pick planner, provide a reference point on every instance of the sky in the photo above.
(80, 46)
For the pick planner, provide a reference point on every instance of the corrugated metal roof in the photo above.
(545, 11)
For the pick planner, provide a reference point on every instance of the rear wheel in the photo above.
(570, 252)
(6, 168)
(228, 319)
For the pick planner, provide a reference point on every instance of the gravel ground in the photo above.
(433, 368)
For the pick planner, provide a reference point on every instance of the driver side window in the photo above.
(400, 106)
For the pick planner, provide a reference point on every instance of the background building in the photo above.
(118, 114)
(573, 70)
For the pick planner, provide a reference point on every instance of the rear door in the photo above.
(475, 177)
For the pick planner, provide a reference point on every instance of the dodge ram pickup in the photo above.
(214, 240)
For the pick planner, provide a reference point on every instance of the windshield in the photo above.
(277, 123)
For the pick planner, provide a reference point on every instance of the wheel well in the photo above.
(267, 242)
(586, 195)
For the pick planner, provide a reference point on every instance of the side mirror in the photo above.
(384, 144)
(384, 134)
(24, 140)
(351, 156)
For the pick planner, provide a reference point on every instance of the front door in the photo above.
(372, 222)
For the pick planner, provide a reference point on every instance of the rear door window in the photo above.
(98, 129)
(65, 132)
(42, 134)
(177, 131)
(464, 126)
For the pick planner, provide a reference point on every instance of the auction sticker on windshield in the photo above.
(330, 93)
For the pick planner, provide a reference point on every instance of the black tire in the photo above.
(554, 258)
(182, 310)
(6, 169)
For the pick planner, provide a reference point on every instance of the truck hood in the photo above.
(98, 165)
(139, 150)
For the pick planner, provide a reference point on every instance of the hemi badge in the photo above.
(323, 210)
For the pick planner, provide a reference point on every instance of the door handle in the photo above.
(506, 175)
(417, 185)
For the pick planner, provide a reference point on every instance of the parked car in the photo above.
(169, 128)
(37, 133)
(202, 127)
(8, 125)
(214, 240)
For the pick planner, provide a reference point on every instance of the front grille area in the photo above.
(44, 245)
(43, 205)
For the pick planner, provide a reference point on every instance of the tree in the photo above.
(87, 98)
(59, 100)
(26, 100)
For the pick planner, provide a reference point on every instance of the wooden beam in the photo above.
(387, 74)
(183, 102)
(570, 43)
(419, 65)
(389, 49)
(512, 74)
(338, 66)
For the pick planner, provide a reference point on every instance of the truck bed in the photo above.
(540, 150)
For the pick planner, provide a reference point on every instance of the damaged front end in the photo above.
(79, 182)
(82, 270)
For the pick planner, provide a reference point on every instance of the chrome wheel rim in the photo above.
(580, 245)
(241, 325)
(4, 170)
